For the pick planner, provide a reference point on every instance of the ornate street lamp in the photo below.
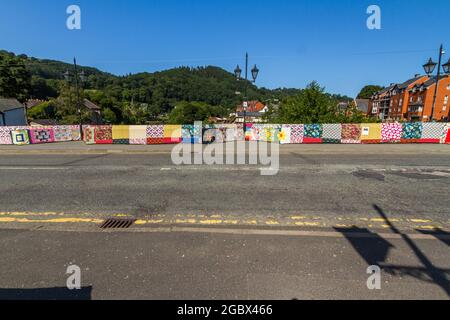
(429, 66)
(79, 77)
(237, 73)
(446, 67)
(255, 72)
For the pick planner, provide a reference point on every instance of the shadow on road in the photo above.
(438, 234)
(374, 250)
(46, 294)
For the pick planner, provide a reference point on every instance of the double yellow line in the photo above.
(221, 220)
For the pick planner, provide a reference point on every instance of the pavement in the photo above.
(226, 232)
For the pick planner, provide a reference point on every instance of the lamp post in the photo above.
(237, 73)
(429, 68)
(78, 76)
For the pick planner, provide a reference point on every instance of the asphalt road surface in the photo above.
(226, 232)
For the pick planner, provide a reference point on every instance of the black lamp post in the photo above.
(237, 73)
(446, 67)
(429, 68)
(80, 78)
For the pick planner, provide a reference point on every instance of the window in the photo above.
(446, 100)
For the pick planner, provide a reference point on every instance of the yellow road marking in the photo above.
(231, 221)
(141, 222)
(307, 224)
(420, 220)
(218, 219)
(58, 220)
(189, 221)
(210, 222)
(30, 214)
(384, 220)
(426, 227)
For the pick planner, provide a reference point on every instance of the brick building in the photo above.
(421, 100)
(412, 100)
(380, 103)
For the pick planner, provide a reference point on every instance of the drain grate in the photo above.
(116, 223)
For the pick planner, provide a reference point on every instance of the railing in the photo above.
(416, 132)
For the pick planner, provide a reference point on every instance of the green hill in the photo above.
(147, 96)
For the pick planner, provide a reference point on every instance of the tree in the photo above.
(45, 110)
(109, 116)
(42, 89)
(189, 112)
(311, 105)
(133, 113)
(14, 78)
(368, 91)
(67, 106)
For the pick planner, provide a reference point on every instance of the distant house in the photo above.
(254, 112)
(12, 113)
(96, 111)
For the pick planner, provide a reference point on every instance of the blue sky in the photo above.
(292, 41)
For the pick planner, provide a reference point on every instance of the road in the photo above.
(226, 232)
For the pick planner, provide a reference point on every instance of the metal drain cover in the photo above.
(117, 223)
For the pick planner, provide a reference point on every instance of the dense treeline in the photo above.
(138, 98)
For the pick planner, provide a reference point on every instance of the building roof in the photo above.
(9, 104)
(90, 105)
(406, 84)
(253, 106)
(432, 80)
(386, 90)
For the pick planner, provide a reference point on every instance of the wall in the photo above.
(370, 133)
(15, 117)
